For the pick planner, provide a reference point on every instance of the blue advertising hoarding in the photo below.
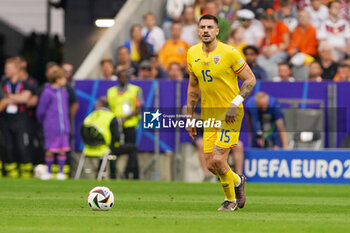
(291, 166)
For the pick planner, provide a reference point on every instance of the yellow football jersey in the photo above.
(217, 76)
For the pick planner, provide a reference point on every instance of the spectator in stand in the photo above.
(175, 72)
(125, 101)
(189, 29)
(17, 162)
(236, 39)
(315, 72)
(53, 114)
(251, 54)
(345, 10)
(329, 67)
(68, 71)
(200, 9)
(145, 71)
(174, 49)
(304, 37)
(318, 13)
(175, 10)
(152, 34)
(107, 69)
(254, 30)
(288, 13)
(212, 8)
(266, 122)
(284, 73)
(258, 6)
(343, 74)
(124, 62)
(335, 31)
(138, 48)
(275, 44)
(347, 59)
(227, 9)
(157, 70)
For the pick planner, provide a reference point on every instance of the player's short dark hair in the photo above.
(207, 16)
(250, 47)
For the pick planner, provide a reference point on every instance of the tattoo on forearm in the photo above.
(194, 81)
(246, 89)
(194, 95)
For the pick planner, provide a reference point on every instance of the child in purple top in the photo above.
(53, 114)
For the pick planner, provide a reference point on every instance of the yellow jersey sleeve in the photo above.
(238, 63)
(189, 60)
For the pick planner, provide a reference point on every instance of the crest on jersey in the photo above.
(216, 59)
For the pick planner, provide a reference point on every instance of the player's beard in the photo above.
(208, 42)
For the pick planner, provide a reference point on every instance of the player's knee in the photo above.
(217, 162)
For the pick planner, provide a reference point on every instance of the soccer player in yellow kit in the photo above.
(213, 68)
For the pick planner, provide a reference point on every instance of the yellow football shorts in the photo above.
(226, 137)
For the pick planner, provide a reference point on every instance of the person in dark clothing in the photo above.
(17, 162)
(251, 53)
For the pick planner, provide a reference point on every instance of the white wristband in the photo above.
(237, 100)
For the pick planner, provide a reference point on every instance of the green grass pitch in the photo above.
(61, 206)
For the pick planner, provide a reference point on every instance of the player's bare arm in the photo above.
(249, 82)
(193, 93)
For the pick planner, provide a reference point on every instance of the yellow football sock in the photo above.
(227, 181)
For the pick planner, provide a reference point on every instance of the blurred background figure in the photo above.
(251, 54)
(175, 72)
(189, 29)
(343, 73)
(125, 63)
(200, 9)
(275, 44)
(138, 48)
(107, 70)
(145, 71)
(254, 31)
(318, 13)
(288, 13)
(284, 73)
(258, 6)
(53, 114)
(236, 39)
(303, 38)
(212, 7)
(126, 101)
(315, 72)
(17, 161)
(151, 33)
(335, 31)
(228, 9)
(157, 70)
(68, 71)
(174, 49)
(329, 67)
(266, 122)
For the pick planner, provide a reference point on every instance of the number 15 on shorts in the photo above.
(225, 136)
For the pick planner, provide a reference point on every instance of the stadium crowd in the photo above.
(281, 40)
